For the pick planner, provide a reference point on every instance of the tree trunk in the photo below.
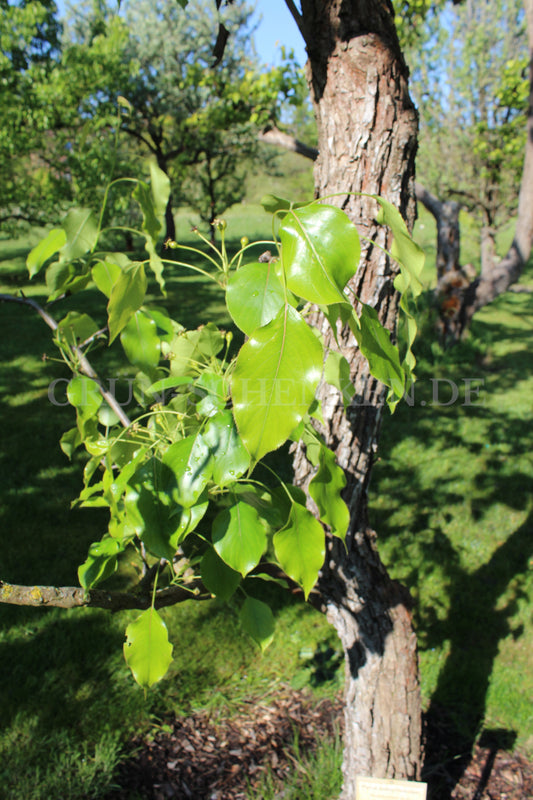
(367, 139)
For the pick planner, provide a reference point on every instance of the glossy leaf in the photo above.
(325, 488)
(300, 547)
(75, 328)
(217, 577)
(211, 391)
(274, 381)
(147, 651)
(153, 200)
(149, 507)
(258, 621)
(320, 252)
(84, 395)
(141, 343)
(47, 247)
(254, 296)
(229, 457)
(65, 276)
(239, 537)
(189, 460)
(185, 520)
(127, 296)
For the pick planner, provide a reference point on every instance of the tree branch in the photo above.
(432, 203)
(296, 16)
(84, 364)
(280, 139)
(75, 596)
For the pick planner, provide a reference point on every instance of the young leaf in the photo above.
(47, 247)
(239, 537)
(147, 651)
(320, 252)
(274, 381)
(127, 296)
(254, 296)
(258, 621)
(325, 489)
(300, 547)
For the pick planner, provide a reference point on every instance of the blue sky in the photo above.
(276, 28)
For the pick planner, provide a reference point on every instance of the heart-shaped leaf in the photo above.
(274, 382)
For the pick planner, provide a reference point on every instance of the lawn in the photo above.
(450, 499)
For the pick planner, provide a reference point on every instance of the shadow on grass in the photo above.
(453, 478)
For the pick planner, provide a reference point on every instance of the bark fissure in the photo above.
(367, 140)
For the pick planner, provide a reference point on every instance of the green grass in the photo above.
(451, 500)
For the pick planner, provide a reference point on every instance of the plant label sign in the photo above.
(383, 789)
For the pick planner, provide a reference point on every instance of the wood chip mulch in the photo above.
(204, 757)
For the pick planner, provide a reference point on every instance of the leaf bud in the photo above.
(244, 241)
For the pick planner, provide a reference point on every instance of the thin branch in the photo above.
(141, 138)
(75, 596)
(296, 16)
(280, 139)
(84, 364)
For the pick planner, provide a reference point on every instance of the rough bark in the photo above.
(367, 139)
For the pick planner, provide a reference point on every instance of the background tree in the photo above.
(472, 84)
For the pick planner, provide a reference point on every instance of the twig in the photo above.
(84, 364)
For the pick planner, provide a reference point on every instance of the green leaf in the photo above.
(375, 344)
(300, 547)
(254, 296)
(239, 537)
(274, 381)
(337, 374)
(147, 651)
(70, 440)
(66, 276)
(153, 200)
(217, 577)
(407, 253)
(229, 457)
(101, 562)
(148, 512)
(188, 520)
(84, 395)
(105, 274)
(272, 203)
(47, 247)
(75, 328)
(189, 460)
(127, 296)
(258, 621)
(189, 350)
(325, 488)
(81, 231)
(320, 252)
(211, 389)
(160, 188)
(141, 343)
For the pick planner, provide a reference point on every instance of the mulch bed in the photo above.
(202, 757)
